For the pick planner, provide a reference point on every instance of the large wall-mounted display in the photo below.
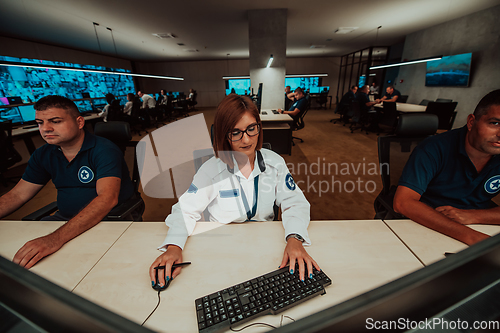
(30, 83)
(450, 71)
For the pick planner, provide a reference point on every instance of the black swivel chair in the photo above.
(402, 99)
(323, 99)
(193, 102)
(394, 151)
(130, 210)
(424, 102)
(8, 154)
(388, 116)
(445, 112)
(299, 124)
(444, 100)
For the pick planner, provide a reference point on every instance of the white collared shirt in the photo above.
(217, 189)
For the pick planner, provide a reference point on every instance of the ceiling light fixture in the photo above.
(344, 30)
(288, 75)
(93, 71)
(304, 75)
(270, 61)
(404, 63)
(235, 77)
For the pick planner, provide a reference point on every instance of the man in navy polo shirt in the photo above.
(391, 95)
(450, 179)
(298, 107)
(89, 173)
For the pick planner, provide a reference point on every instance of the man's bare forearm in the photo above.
(88, 217)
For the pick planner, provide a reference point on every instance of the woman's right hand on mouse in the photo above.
(173, 255)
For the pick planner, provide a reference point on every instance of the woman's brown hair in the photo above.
(229, 112)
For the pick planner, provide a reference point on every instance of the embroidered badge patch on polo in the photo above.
(290, 183)
(85, 174)
(192, 188)
(492, 185)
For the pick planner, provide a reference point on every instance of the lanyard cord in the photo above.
(251, 213)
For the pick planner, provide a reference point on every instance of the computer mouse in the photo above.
(156, 286)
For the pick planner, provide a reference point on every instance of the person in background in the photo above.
(242, 174)
(104, 113)
(374, 90)
(89, 173)
(148, 102)
(289, 97)
(128, 106)
(298, 107)
(451, 178)
(391, 95)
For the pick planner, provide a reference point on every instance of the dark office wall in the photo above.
(478, 33)
(26, 49)
(206, 76)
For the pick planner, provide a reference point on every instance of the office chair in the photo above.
(402, 99)
(444, 100)
(445, 112)
(389, 116)
(424, 102)
(323, 99)
(299, 124)
(394, 151)
(8, 154)
(131, 210)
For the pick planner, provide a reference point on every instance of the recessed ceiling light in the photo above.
(190, 50)
(180, 44)
(165, 35)
(345, 30)
(317, 46)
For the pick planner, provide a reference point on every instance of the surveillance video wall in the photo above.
(30, 83)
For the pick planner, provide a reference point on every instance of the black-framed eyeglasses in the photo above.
(237, 135)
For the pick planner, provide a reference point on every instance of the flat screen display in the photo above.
(240, 86)
(27, 113)
(450, 71)
(84, 106)
(307, 82)
(30, 84)
(11, 114)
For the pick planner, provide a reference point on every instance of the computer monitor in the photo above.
(27, 113)
(85, 95)
(11, 114)
(15, 100)
(84, 106)
(29, 299)
(4, 101)
(258, 102)
(462, 288)
(99, 103)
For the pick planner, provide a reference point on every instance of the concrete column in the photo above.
(267, 35)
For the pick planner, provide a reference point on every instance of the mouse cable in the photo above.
(153, 310)
(265, 324)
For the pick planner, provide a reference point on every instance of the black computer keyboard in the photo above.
(270, 293)
(275, 112)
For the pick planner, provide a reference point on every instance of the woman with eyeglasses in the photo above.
(241, 183)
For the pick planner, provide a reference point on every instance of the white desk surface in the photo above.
(270, 116)
(357, 255)
(71, 263)
(428, 245)
(405, 107)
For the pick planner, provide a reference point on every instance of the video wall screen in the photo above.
(30, 84)
(307, 82)
(238, 86)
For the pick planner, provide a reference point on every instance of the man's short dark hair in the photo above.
(110, 97)
(354, 86)
(299, 89)
(492, 98)
(55, 101)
